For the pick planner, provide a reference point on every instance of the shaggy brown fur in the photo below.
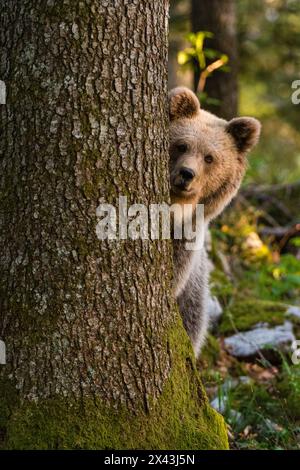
(208, 159)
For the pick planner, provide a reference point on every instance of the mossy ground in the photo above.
(260, 286)
(242, 315)
(180, 419)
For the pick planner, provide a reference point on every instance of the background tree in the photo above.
(220, 19)
(269, 32)
(97, 356)
(179, 25)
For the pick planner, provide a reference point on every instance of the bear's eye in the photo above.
(208, 158)
(182, 148)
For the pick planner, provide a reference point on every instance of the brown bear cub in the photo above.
(207, 164)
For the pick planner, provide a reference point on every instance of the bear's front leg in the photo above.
(193, 301)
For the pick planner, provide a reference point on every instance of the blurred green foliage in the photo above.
(195, 57)
(260, 272)
(269, 41)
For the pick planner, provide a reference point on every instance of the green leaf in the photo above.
(183, 57)
(211, 53)
(191, 37)
(295, 241)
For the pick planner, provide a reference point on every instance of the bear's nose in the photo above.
(187, 174)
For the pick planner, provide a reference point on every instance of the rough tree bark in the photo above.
(219, 17)
(96, 353)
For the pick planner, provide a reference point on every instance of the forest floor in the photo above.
(255, 279)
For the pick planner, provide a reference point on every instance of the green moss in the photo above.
(210, 352)
(221, 287)
(180, 419)
(244, 314)
(89, 190)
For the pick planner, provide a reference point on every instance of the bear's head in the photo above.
(208, 155)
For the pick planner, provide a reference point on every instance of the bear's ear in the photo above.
(183, 103)
(245, 131)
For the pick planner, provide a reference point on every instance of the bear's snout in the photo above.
(183, 178)
(187, 174)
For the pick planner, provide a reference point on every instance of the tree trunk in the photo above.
(219, 17)
(96, 354)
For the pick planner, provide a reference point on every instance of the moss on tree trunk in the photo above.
(96, 354)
